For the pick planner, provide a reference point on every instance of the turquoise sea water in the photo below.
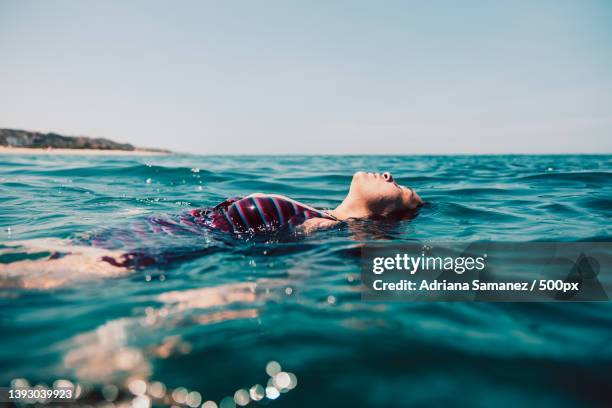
(211, 321)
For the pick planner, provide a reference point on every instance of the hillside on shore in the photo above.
(35, 140)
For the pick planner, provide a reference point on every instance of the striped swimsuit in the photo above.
(258, 213)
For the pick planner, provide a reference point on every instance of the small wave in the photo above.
(595, 177)
(138, 170)
(596, 238)
(561, 209)
(469, 213)
(471, 191)
(600, 204)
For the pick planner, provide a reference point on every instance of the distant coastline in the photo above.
(80, 152)
(15, 141)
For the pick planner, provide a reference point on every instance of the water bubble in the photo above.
(61, 383)
(209, 404)
(200, 188)
(43, 396)
(110, 392)
(227, 402)
(148, 278)
(273, 368)
(193, 399)
(331, 299)
(180, 395)
(195, 170)
(256, 392)
(20, 383)
(292, 381)
(272, 393)
(288, 290)
(241, 397)
(157, 389)
(282, 380)
(148, 181)
(141, 402)
(137, 387)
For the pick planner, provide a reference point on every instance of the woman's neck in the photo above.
(350, 209)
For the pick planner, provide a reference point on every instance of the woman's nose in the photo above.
(387, 176)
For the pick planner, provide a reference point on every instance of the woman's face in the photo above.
(381, 195)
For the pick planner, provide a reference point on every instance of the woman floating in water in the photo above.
(371, 195)
(112, 253)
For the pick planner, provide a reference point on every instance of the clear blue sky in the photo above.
(313, 76)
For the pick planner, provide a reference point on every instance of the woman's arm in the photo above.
(67, 264)
(315, 224)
